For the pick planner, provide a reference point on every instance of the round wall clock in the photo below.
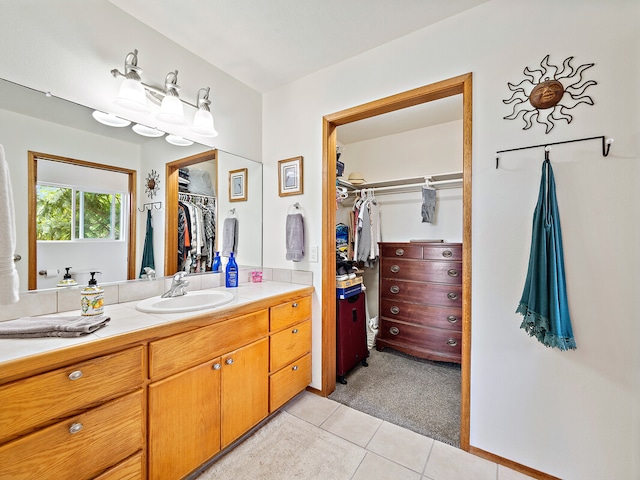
(152, 184)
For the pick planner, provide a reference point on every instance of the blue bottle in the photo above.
(232, 272)
(217, 263)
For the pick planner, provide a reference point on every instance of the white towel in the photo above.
(229, 236)
(295, 237)
(9, 282)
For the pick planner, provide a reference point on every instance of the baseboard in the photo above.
(511, 464)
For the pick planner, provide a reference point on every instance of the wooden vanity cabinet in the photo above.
(290, 351)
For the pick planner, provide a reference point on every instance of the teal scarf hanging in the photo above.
(147, 254)
(544, 302)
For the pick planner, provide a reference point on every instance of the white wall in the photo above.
(573, 414)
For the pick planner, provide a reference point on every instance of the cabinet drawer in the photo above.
(442, 251)
(106, 435)
(422, 270)
(289, 344)
(44, 398)
(401, 250)
(445, 342)
(427, 293)
(130, 469)
(179, 352)
(448, 318)
(288, 382)
(290, 313)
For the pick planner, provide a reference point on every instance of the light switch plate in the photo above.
(313, 254)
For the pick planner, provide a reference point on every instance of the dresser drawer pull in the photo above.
(216, 366)
(75, 375)
(294, 304)
(395, 268)
(400, 252)
(452, 342)
(294, 331)
(75, 428)
(447, 254)
(294, 368)
(229, 361)
(395, 310)
(453, 272)
(394, 289)
(452, 296)
(394, 330)
(452, 319)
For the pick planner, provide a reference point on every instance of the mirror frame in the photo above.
(31, 208)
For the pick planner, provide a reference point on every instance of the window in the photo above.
(72, 214)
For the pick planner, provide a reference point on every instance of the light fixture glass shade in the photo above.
(110, 119)
(178, 141)
(171, 110)
(132, 96)
(147, 131)
(203, 124)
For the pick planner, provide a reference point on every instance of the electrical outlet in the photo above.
(313, 254)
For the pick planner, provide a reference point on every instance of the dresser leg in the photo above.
(342, 380)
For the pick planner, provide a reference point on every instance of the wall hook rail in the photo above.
(606, 146)
(149, 206)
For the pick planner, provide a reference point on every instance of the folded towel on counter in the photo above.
(229, 236)
(35, 327)
(295, 237)
(9, 282)
(428, 204)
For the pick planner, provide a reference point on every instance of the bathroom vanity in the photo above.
(158, 401)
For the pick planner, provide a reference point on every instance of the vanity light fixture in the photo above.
(110, 119)
(147, 131)
(178, 141)
(134, 94)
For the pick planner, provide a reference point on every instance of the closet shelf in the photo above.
(448, 178)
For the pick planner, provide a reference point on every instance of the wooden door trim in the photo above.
(31, 209)
(171, 204)
(461, 84)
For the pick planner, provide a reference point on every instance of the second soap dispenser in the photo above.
(92, 298)
(231, 272)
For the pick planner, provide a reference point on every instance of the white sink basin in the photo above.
(189, 302)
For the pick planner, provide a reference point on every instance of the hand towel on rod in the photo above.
(229, 236)
(9, 281)
(428, 204)
(295, 237)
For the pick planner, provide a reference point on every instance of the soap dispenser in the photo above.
(92, 298)
(217, 263)
(67, 280)
(232, 272)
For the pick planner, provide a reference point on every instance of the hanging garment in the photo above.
(147, 253)
(9, 282)
(544, 302)
(295, 237)
(428, 204)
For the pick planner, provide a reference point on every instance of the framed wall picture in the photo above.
(290, 176)
(238, 185)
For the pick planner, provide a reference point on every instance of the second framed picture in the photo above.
(290, 177)
(238, 185)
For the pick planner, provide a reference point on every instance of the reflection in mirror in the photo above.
(33, 121)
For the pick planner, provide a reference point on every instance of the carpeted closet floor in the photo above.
(420, 395)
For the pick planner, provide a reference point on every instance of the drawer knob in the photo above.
(395, 310)
(453, 272)
(452, 342)
(395, 268)
(75, 428)
(394, 289)
(452, 319)
(447, 254)
(75, 375)
(216, 366)
(294, 331)
(229, 361)
(452, 296)
(294, 368)
(294, 304)
(394, 330)
(400, 252)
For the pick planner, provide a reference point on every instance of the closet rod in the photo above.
(411, 186)
(199, 195)
(606, 145)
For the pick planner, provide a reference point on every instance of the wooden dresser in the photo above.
(420, 299)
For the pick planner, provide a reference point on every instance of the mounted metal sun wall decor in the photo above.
(152, 184)
(548, 93)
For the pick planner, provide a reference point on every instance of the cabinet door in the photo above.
(184, 421)
(245, 389)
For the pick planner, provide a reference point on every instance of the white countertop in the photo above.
(125, 318)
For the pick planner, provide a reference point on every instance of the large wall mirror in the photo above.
(45, 138)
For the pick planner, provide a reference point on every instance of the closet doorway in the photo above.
(461, 85)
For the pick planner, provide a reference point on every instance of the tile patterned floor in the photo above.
(383, 451)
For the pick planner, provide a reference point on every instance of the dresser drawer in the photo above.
(130, 469)
(422, 270)
(448, 318)
(401, 250)
(442, 251)
(179, 352)
(445, 342)
(428, 293)
(289, 313)
(44, 398)
(102, 437)
(288, 382)
(289, 344)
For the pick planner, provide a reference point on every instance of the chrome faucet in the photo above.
(178, 284)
